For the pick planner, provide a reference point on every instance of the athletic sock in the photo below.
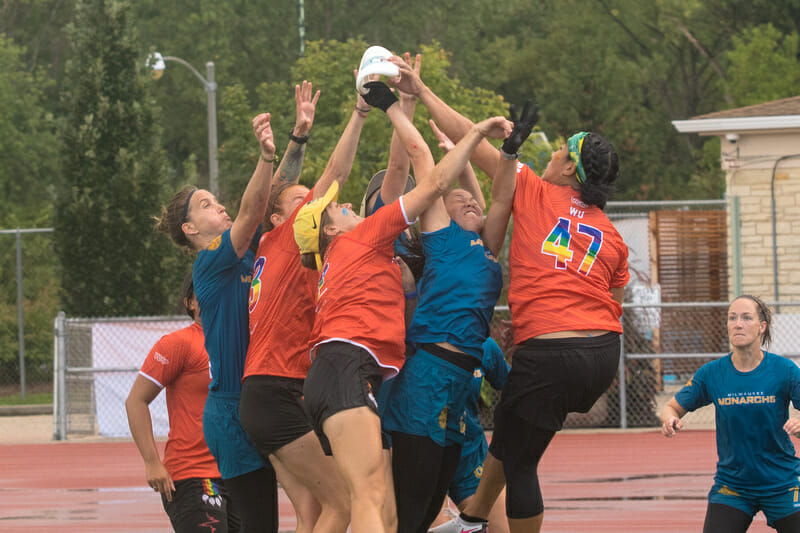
(472, 520)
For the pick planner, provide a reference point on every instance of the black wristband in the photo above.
(302, 139)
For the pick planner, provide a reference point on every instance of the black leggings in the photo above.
(254, 498)
(523, 493)
(422, 472)
(721, 518)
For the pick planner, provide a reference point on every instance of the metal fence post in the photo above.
(59, 379)
(736, 247)
(21, 326)
(623, 396)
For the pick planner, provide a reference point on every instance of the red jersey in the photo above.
(281, 306)
(360, 294)
(179, 362)
(565, 257)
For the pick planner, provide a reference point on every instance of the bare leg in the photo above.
(492, 483)
(526, 525)
(355, 437)
(446, 514)
(306, 507)
(497, 516)
(389, 511)
(318, 474)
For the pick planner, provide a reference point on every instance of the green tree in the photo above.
(28, 144)
(329, 66)
(624, 69)
(114, 174)
(28, 165)
(764, 65)
(250, 43)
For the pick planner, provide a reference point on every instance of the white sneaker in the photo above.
(457, 525)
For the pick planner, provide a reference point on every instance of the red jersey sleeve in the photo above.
(166, 360)
(384, 226)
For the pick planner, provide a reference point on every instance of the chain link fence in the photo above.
(97, 361)
(28, 303)
(673, 320)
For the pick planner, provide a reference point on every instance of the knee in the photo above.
(339, 505)
(368, 490)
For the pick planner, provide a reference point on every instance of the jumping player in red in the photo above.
(568, 269)
(359, 329)
(282, 298)
(188, 479)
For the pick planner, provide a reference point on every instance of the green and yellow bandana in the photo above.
(575, 144)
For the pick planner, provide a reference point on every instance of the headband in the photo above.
(575, 145)
(186, 205)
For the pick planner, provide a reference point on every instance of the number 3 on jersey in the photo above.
(255, 285)
(558, 241)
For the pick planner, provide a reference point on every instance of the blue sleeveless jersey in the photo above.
(458, 290)
(222, 285)
(754, 452)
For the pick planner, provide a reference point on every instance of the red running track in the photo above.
(600, 482)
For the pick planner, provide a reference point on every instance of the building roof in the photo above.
(781, 114)
(785, 106)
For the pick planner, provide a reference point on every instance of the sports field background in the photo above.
(601, 481)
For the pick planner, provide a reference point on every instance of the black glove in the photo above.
(522, 127)
(379, 95)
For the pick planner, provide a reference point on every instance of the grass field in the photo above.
(35, 393)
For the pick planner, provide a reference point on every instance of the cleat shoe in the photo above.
(457, 525)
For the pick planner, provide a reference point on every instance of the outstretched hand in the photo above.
(379, 95)
(306, 108)
(522, 126)
(444, 141)
(415, 65)
(408, 81)
(263, 132)
(495, 127)
(360, 102)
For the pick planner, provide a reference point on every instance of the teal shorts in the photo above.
(470, 467)
(428, 399)
(777, 505)
(227, 441)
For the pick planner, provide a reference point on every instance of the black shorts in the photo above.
(550, 378)
(343, 376)
(271, 412)
(200, 504)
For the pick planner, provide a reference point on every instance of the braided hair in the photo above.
(601, 163)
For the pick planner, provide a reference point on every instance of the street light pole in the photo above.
(211, 100)
(157, 63)
(301, 26)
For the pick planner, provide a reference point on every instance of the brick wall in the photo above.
(752, 186)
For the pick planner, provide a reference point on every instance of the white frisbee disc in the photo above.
(375, 61)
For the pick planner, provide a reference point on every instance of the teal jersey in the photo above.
(459, 288)
(222, 285)
(754, 452)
